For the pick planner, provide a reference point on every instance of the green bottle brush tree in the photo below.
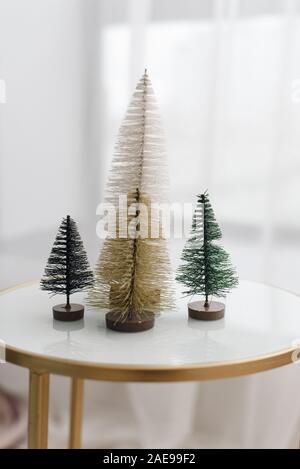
(67, 270)
(206, 268)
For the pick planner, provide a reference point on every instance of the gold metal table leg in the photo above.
(38, 410)
(76, 412)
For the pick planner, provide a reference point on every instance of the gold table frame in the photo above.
(40, 368)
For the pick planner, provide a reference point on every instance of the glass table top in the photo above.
(259, 320)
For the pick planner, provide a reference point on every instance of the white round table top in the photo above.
(261, 322)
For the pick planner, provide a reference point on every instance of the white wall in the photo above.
(42, 121)
(223, 74)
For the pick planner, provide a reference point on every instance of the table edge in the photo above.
(150, 373)
(146, 373)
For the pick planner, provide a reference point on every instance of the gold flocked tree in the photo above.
(132, 275)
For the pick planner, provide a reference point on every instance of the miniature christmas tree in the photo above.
(132, 275)
(206, 270)
(67, 270)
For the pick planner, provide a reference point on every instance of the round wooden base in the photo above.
(73, 312)
(214, 311)
(143, 323)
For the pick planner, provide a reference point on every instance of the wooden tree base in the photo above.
(73, 312)
(143, 323)
(214, 311)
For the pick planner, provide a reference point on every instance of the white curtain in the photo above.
(227, 78)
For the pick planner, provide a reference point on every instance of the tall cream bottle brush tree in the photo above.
(132, 276)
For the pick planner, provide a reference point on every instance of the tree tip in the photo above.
(203, 195)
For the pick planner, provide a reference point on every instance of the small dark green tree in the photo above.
(206, 269)
(67, 270)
